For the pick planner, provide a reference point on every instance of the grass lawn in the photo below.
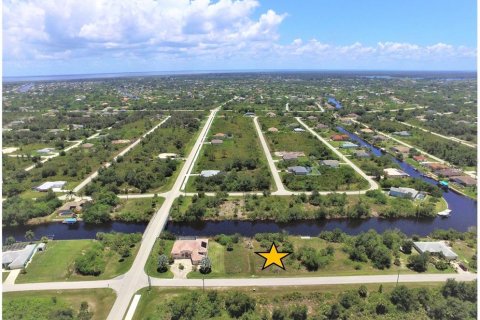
(34, 305)
(243, 262)
(464, 251)
(57, 263)
(152, 262)
(266, 297)
(5, 275)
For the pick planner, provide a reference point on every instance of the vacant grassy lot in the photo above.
(241, 142)
(153, 303)
(243, 262)
(239, 157)
(33, 305)
(137, 210)
(288, 140)
(57, 263)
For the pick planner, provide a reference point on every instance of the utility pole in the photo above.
(398, 277)
(203, 282)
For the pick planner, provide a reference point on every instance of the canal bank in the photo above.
(462, 217)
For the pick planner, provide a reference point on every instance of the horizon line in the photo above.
(213, 71)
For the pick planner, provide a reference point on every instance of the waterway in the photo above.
(463, 216)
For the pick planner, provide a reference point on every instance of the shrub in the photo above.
(91, 263)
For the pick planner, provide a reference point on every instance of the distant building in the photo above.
(339, 137)
(438, 247)
(271, 114)
(366, 130)
(272, 129)
(220, 135)
(298, 130)
(321, 126)
(194, 250)
(379, 137)
(72, 207)
(348, 145)
(209, 173)
(217, 141)
(435, 166)
(249, 114)
(121, 141)
(420, 158)
(362, 154)
(45, 150)
(299, 170)
(402, 133)
(402, 192)
(465, 181)
(330, 163)
(313, 118)
(290, 156)
(450, 172)
(394, 173)
(50, 185)
(400, 149)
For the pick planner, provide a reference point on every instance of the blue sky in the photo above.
(95, 36)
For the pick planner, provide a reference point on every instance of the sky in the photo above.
(47, 37)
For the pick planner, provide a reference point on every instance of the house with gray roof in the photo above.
(299, 170)
(438, 247)
(17, 259)
(209, 173)
(330, 163)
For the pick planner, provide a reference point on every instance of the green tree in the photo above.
(299, 313)
(84, 313)
(10, 240)
(29, 235)
(162, 263)
(403, 298)
(205, 265)
(418, 262)
(238, 303)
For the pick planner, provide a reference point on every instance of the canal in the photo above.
(463, 216)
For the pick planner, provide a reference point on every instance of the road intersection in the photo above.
(135, 279)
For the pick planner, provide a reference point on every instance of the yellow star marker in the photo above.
(273, 257)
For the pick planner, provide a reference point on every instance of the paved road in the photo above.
(465, 143)
(273, 169)
(306, 281)
(127, 284)
(373, 183)
(136, 278)
(121, 154)
(405, 144)
(116, 284)
(201, 138)
(395, 110)
(320, 107)
(47, 158)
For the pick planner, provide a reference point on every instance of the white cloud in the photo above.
(183, 31)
